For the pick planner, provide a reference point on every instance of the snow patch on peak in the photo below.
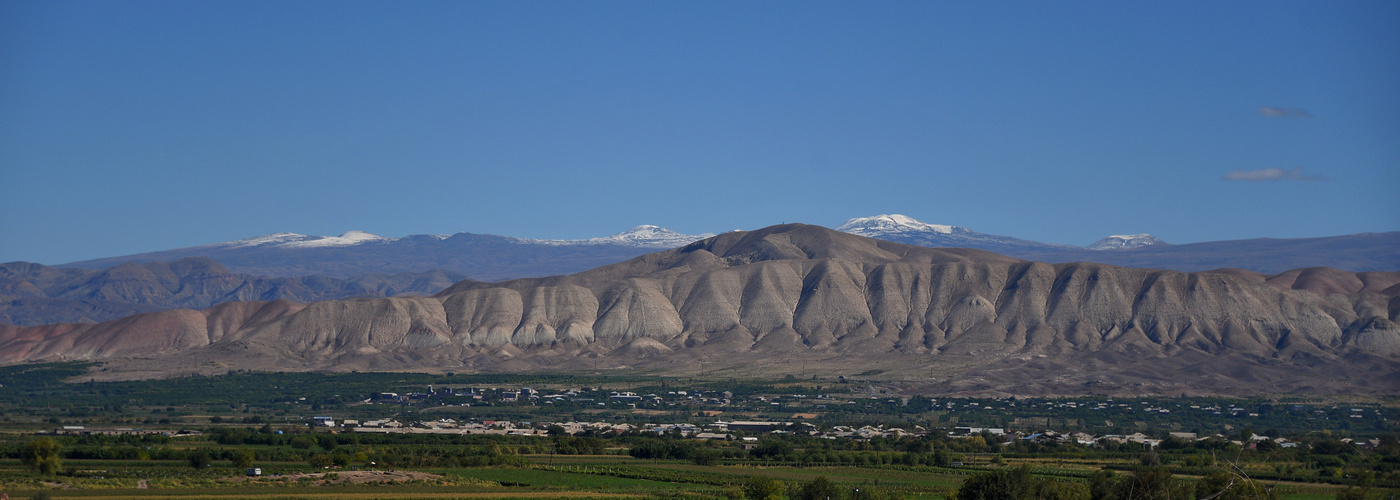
(645, 236)
(1125, 241)
(654, 236)
(888, 224)
(348, 239)
(269, 239)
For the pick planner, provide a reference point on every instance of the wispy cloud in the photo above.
(1269, 112)
(1272, 174)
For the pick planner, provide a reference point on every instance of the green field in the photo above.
(194, 437)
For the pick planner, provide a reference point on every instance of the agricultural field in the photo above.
(604, 436)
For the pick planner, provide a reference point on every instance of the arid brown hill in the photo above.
(808, 300)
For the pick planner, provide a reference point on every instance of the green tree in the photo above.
(243, 458)
(771, 448)
(199, 459)
(705, 456)
(1046, 489)
(868, 492)
(820, 488)
(1003, 484)
(1222, 485)
(1102, 485)
(1152, 483)
(1352, 493)
(940, 458)
(302, 443)
(321, 460)
(763, 488)
(42, 455)
(1018, 484)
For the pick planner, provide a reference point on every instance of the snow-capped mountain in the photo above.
(1356, 252)
(487, 257)
(1125, 241)
(893, 224)
(904, 229)
(643, 236)
(356, 253)
(294, 240)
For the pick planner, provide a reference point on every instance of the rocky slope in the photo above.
(779, 299)
(34, 294)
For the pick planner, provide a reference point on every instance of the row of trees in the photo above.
(821, 488)
(1147, 482)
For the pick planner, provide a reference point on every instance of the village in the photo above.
(721, 415)
(748, 431)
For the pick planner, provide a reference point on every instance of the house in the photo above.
(968, 431)
(755, 426)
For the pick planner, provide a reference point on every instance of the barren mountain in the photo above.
(805, 299)
(34, 294)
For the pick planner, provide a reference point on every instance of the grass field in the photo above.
(548, 476)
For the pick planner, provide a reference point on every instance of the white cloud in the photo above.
(1269, 112)
(1272, 174)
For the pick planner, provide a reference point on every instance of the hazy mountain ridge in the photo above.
(767, 299)
(904, 229)
(480, 256)
(1126, 241)
(1355, 252)
(34, 294)
(490, 258)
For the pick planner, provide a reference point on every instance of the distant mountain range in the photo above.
(300, 268)
(907, 230)
(486, 257)
(356, 253)
(777, 300)
(34, 294)
(1126, 241)
(358, 264)
(904, 229)
(1355, 252)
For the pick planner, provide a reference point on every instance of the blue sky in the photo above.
(135, 126)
